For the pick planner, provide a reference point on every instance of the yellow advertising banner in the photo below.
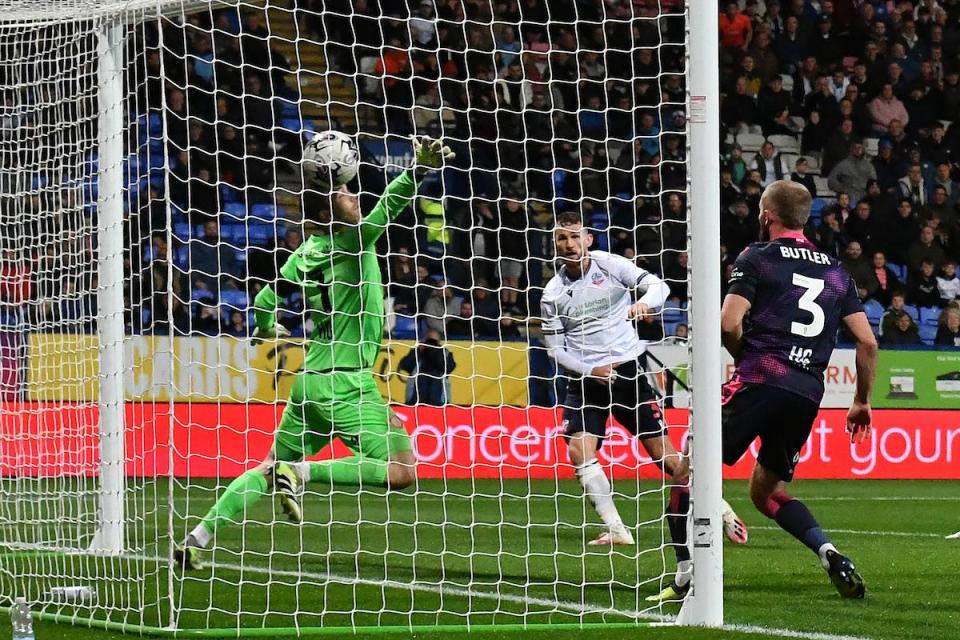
(233, 370)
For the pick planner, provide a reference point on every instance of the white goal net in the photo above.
(155, 215)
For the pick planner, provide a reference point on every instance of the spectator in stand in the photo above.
(402, 276)
(237, 326)
(899, 232)
(207, 320)
(888, 280)
(939, 209)
(829, 235)
(863, 227)
(791, 46)
(822, 101)
(887, 167)
(897, 303)
(675, 274)
(736, 31)
(773, 100)
(442, 304)
(740, 107)
(769, 163)
(212, 262)
(738, 228)
(852, 173)
(901, 139)
(926, 248)
(800, 175)
(913, 187)
(814, 136)
(885, 108)
(860, 270)
(826, 43)
(837, 146)
(428, 365)
(950, 186)
(902, 333)
(839, 83)
(882, 205)
(468, 326)
(948, 328)
(947, 283)
(923, 290)
(514, 253)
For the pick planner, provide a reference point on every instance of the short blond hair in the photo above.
(790, 201)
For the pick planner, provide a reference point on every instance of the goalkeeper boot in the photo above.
(843, 574)
(287, 484)
(733, 526)
(954, 536)
(672, 593)
(613, 537)
(187, 557)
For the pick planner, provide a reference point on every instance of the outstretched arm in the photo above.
(429, 154)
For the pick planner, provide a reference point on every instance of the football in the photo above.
(330, 159)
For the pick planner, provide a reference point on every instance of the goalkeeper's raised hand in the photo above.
(276, 332)
(429, 154)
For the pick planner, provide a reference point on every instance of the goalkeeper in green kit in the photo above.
(335, 396)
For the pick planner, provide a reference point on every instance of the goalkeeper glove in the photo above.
(429, 154)
(276, 332)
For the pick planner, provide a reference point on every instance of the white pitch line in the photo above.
(561, 605)
(789, 633)
(891, 534)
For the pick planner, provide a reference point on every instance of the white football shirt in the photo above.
(585, 322)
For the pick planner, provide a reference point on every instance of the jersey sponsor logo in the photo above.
(597, 278)
(801, 356)
(736, 273)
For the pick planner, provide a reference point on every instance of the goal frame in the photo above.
(704, 605)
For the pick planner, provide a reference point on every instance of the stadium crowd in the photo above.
(552, 105)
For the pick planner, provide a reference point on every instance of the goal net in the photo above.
(153, 202)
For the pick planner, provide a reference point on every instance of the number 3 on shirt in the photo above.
(807, 302)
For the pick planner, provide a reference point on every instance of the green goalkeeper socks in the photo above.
(241, 493)
(353, 471)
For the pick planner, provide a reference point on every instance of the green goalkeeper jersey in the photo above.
(342, 286)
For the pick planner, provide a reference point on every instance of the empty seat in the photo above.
(928, 333)
(929, 316)
(234, 298)
(785, 144)
(874, 311)
(235, 209)
(750, 142)
(823, 188)
(266, 211)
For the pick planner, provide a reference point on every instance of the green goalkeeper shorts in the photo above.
(344, 405)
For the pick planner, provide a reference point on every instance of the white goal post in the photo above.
(135, 395)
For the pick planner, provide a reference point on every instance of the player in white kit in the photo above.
(589, 308)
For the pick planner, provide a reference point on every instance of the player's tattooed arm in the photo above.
(735, 308)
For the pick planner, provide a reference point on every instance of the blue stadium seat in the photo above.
(405, 328)
(900, 270)
(234, 234)
(229, 193)
(260, 234)
(874, 311)
(201, 294)
(913, 311)
(928, 333)
(266, 211)
(234, 298)
(181, 257)
(182, 231)
(288, 109)
(293, 124)
(155, 125)
(929, 315)
(235, 209)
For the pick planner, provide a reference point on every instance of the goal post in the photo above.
(704, 605)
(159, 157)
(109, 538)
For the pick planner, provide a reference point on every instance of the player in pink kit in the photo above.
(780, 318)
(780, 321)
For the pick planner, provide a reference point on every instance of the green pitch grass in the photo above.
(515, 553)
